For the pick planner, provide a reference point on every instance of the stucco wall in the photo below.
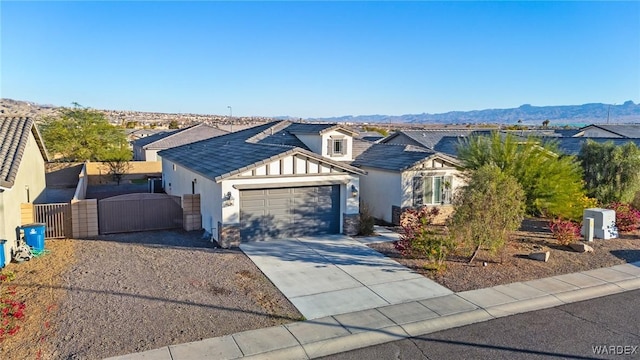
(31, 173)
(337, 134)
(178, 182)
(380, 190)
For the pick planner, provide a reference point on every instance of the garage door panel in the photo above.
(288, 212)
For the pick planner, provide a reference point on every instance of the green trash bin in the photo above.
(34, 235)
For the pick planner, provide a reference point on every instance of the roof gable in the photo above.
(179, 137)
(221, 157)
(396, 157)
(631, 131)
(14, 133)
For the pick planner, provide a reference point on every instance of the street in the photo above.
(602, 328)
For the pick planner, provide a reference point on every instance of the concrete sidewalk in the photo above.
(336, 334)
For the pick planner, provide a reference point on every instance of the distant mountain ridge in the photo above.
(629, 112)
(576, 115)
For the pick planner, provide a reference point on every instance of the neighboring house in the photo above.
(22, 174)
(628, 131)
(372, 136)
(572, 145)
(405, 176)
(146, 148)
(427, 138)
(275, 180)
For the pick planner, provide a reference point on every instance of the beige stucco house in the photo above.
(22, 174)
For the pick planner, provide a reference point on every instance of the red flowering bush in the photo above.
(419, 239)
(565, 231)
(627, 217)
(11, 310)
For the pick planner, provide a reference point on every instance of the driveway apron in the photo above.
(334, 274)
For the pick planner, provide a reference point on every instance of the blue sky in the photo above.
(319, 59)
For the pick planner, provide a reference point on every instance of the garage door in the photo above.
(285, 212)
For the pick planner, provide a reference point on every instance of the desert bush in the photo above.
(487, 211)
(420, 239)
(627, 217)
(552, 184)
(564, 231)
(611, 172)
(367, 221)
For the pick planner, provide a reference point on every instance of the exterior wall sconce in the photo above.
(354, 191)
(227, 199)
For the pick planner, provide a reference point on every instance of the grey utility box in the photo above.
(604, 223)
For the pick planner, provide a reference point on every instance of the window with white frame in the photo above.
(432, 190)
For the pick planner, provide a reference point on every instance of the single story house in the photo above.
(279, 179)
(405, 176)
(627, 131)
(22, 174)
(146, 148)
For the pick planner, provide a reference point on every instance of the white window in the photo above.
(432, 190)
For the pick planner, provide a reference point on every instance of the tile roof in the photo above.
(572, 145)
(179, 137)
(395, 157)
(631, 131)
(233, 153)
(306, 128)
(14, 135)
(429, 138)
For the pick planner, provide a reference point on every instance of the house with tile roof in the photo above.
(22, 174)
(275, 180)
(626, 131)
(401, 176)
(146, 148)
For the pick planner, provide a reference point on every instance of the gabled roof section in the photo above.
(572, 145)
(429, 138)
(318, 129)
(14, 135)
(630, 131)
(395, 157)
(179, 137)
(221, 157)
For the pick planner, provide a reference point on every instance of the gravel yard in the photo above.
(127, 293)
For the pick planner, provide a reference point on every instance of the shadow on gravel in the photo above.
(174, 239)
(153, 298)
(627, 255)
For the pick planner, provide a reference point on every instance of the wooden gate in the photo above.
(139, 212)
(56, 216)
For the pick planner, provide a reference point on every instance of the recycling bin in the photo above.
(34, 235)
(2, 257)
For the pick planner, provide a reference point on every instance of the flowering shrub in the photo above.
(419, 240)
(627, 218)
(11, 310)
(565, 231)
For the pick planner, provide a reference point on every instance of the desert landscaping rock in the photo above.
(581, 247)
(540, 256)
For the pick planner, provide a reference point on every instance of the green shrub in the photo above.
(487, 211)
(420, 239)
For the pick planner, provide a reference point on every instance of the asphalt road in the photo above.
(603, 328)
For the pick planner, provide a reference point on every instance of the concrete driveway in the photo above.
(334, 274)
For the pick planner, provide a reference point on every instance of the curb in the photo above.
(327, 336)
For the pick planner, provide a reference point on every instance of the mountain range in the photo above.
(574, 115)
(594, 113)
